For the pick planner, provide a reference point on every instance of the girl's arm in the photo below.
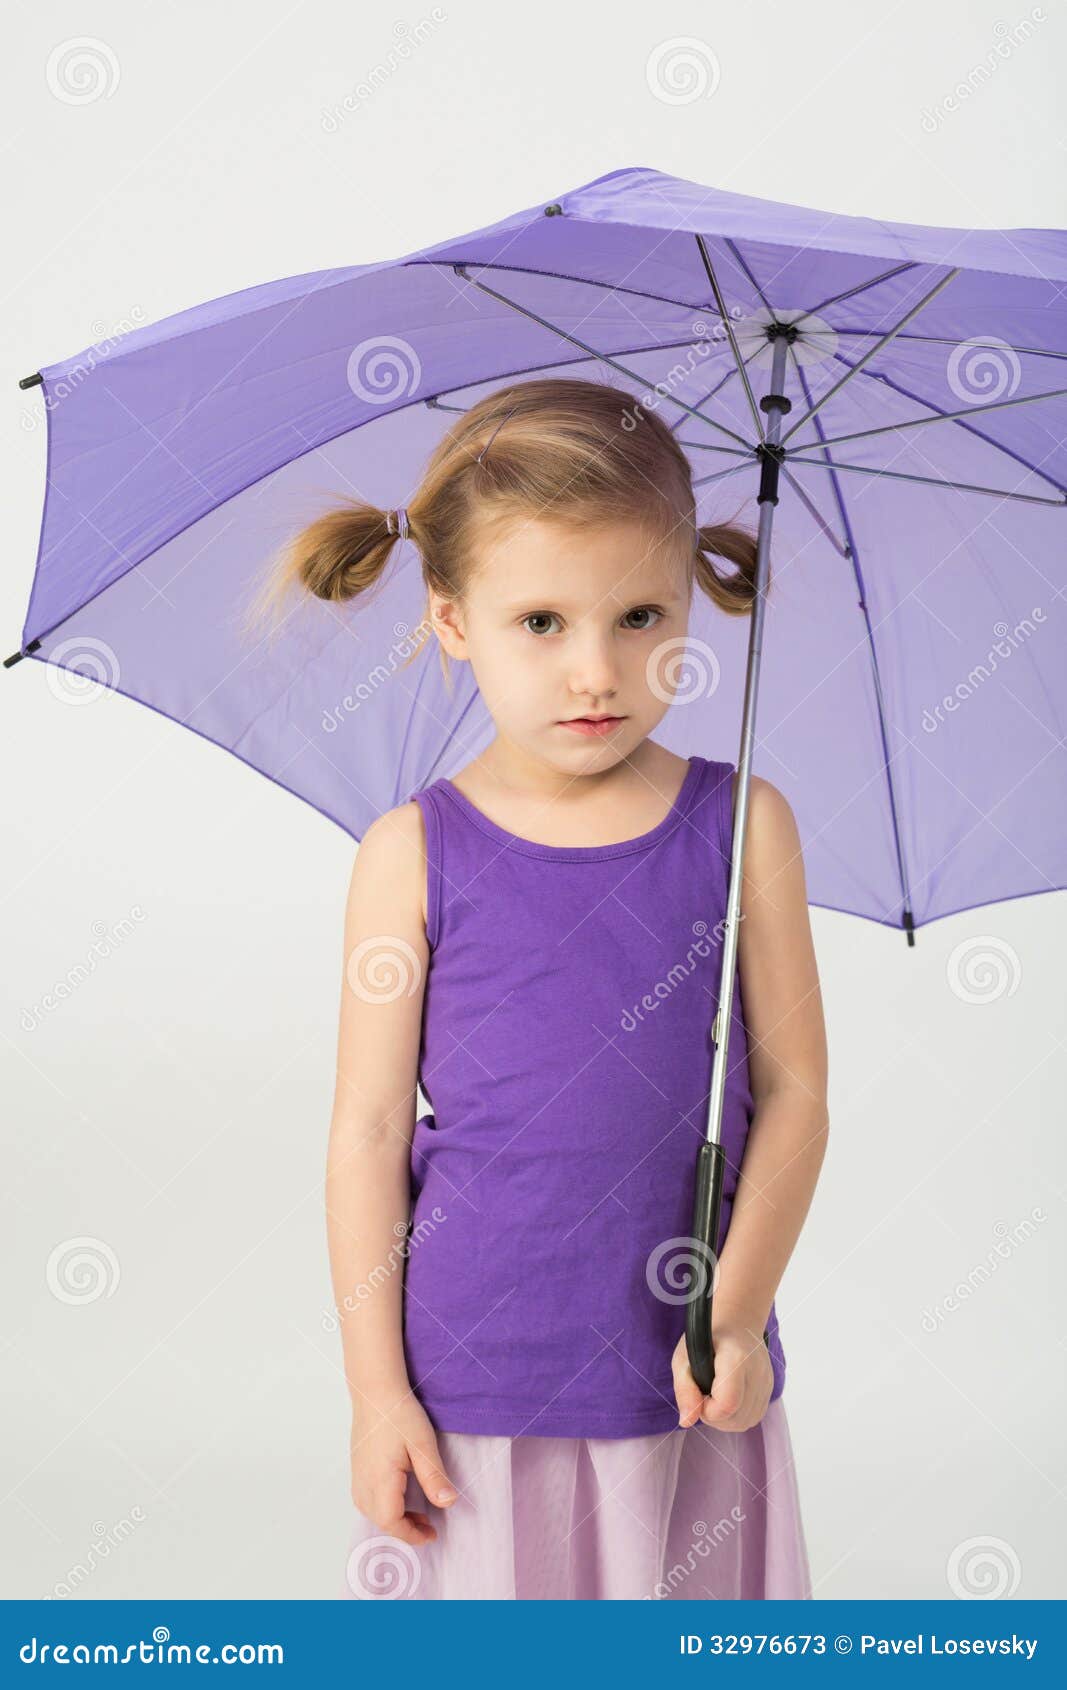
(788, 1133)
(368, 1166)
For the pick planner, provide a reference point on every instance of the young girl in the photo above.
(537, 942)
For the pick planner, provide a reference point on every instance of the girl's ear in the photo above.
(448, 622)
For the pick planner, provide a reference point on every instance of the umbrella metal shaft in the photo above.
(775, 405)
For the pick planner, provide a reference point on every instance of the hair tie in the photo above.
(396, 522)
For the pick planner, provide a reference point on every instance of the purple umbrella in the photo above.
(899, 389)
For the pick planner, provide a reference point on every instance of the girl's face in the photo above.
(559, 624)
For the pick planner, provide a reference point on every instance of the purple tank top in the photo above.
(566, 1057)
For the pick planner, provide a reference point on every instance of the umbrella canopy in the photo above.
(913, 688)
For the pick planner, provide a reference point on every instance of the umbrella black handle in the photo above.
(707, 1206)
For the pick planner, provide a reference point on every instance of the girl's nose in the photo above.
(593, 669)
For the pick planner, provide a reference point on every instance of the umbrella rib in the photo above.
(878, 376)
(834, 299)
(927, 480)
(706, 446)
(968, 428)
(813, 510)
(604, 357)
(941, 416)
(728, 325)
(565, 276)
(871, 353)
(749, 272)
(715, 391)
(853, 555)
(553, 363)
(945, 340)
(720, 475)
(861, 287)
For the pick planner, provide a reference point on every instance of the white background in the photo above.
(176, 1105)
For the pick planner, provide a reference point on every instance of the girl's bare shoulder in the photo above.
(769, 812)
(389, 872)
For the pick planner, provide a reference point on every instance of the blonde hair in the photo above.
(579, 453)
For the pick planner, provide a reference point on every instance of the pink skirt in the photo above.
(683, 1515)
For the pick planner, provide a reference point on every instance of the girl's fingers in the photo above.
(431, 1475)
(387, 1510)
(742, 1400)
(727, 1399)
(687, 1393)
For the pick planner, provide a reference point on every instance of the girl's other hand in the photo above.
(741, 1388)
(385, 1448)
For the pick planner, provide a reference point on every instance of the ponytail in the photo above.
(338, 556)
(736, 593)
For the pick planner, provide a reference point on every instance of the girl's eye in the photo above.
(542, 616)
(645, 610)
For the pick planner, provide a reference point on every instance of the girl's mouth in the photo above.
(592, 725)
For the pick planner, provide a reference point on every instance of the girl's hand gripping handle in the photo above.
(707, 1207)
